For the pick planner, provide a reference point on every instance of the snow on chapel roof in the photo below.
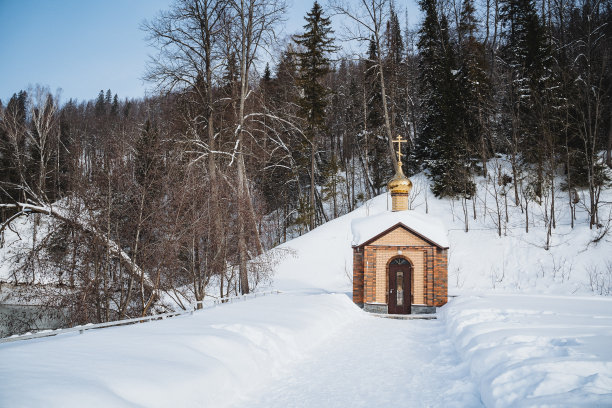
(427, 226)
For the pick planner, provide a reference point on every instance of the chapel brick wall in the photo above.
(441, 277)
(399, 201)
(400, 235)
(415, 256)
(369, 271)
(430, 265)
(429, 274)
(358, 276)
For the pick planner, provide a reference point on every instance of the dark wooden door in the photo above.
(400, 272)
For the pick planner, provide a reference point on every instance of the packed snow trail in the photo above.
(375, 362)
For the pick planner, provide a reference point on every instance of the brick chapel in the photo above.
(400, 257)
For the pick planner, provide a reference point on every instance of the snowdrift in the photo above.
(526, 350)
(205, 360)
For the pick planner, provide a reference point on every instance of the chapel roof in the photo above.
(429, 228)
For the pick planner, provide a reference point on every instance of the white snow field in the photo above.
(524, 328)
(204, 360)
(313, 350)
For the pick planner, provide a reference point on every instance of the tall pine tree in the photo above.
(474, 86)
(372, 139)
(316, 43)
(441, 145)
(528, 58)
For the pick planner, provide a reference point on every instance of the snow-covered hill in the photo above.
(479, 260)
(493, 345)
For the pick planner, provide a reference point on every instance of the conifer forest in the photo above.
(250, 139)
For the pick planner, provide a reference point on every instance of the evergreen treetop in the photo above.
(317, 43)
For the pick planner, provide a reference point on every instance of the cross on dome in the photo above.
(399, 142)
(400, 185)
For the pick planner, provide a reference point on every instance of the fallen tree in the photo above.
(136, 271)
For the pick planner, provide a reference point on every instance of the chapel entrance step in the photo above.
(406, 316)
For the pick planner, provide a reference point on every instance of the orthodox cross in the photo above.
(399, 142)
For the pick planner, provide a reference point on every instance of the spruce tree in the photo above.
(115, 106)
(440, 140)
(394, 42)
(528, 57)
(99, 106)
(314, 64)
(372, 139)
(316, 43)
(474, 85)
(394, 73)
(267, 76)
(108, 98)
(374, 102)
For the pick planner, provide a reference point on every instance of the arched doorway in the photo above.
(400, 278)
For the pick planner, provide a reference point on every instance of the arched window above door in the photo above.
(399, 261)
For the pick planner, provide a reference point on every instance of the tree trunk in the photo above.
(609, 152)
(312, 181)
(242, 241)
(242, 194)
(385, 108)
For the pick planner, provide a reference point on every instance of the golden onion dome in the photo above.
(400, 183)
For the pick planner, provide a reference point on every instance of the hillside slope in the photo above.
(479, 260)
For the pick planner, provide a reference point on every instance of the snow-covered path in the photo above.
(300, 349)
(375, 362)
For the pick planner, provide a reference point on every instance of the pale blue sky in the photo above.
(83, 46)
